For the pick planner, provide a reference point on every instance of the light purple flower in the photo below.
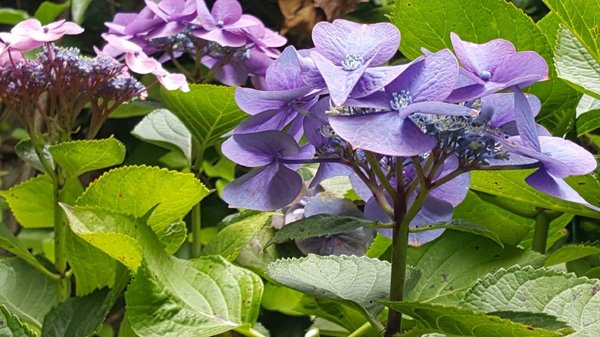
(274, 185)
(345, 53)
(224, 23)
(421, 88)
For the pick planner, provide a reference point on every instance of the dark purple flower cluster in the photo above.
(406, 135)
(231, 44)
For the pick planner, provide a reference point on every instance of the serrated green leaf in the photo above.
(534, 319)
(511, 185)
(230, 241)
(163, 128)
(379, 246)
(10, 243)
(587, 104)
(208, 111)
(453, 262)
(462, 226)
(78, 9)
(575, 65)
(135, 190)
(25, 291)
(11, 16)
(580, 16)
(588, 122)
(11, 325)
(82, 316)
(26, 151)
(317, 226)
(458, 322)
(359, 281)
(80, 156)
(428, 23)
(48, 11)
(572, 299)
(32, 202)
(571, 253)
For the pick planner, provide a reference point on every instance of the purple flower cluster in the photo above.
(406, 135)
(231, 44)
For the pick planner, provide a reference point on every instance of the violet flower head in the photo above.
(494, 66)
(276, 184)
(420, 88)
(224, 23)
(345, 52)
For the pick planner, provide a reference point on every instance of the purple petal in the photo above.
(259, 149)
(351, 243)
(375, 42)
(222, 37)
(206, 19)
(455, 190)
(385, 133)
(254, 101)
(467, 93)
(310, 73)
(521, 69)
(339, 81)
(499, 109)
(481, 57)
(226, 11)
(360, 188)
(556, 187)
(326, 203)
(525, 120)
(266, 120)
(270, 188)
(285, 73)
(329, 170)
(374, 79)
(431, 78)
(140, 63)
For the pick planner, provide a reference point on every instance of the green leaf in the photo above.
(208, 111)
(78, 9)
(11, 16)
(11, 325)
(428, 23)
(534, 319)
(48, 11)
(135, 190)
(317, 226)
(80, 156)
(581, 19)
(462, 226)
(458, 322)
(511, 185)
(453, 262)
(32, 202)
(588, 122)
(575, 65)
(556, 231)
(587, 104)
(571, 253)
(379, 246)
(82, 316)
(163, 128)
(25, 291)
(10, 243)
(358, 281)
(574, 300)
(26, 151)
(135, 109)
(230, 241)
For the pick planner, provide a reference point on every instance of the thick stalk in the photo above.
(540, 234)
(399, 254)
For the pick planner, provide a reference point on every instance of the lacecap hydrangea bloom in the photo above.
(407, 135)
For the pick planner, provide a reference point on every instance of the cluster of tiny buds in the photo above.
(350, 110)
(239, 54)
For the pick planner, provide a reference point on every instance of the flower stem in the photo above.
(540, 234)
(399, 255)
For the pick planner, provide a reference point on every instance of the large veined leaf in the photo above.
(80, 156)
(428, 23)
(575, 64)
(25, 291)
(359, 281)
(163, 128)
(208, 111)
(11, 325)
(32, 202)
(135, 190)
(580, 16)
(574, 300)
(571, 253)
(511, 185)
(233, 238)
(437, 320)
(452, 263)
(173, 297)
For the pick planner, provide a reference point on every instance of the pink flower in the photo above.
(30, 34)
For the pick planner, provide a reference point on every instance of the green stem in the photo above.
(196, 229)
(380, 175)
(540, 234)
(364, 330)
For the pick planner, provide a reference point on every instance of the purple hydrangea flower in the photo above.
(224, 23)
(421, 88)
(345, 53)
(276, 184)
